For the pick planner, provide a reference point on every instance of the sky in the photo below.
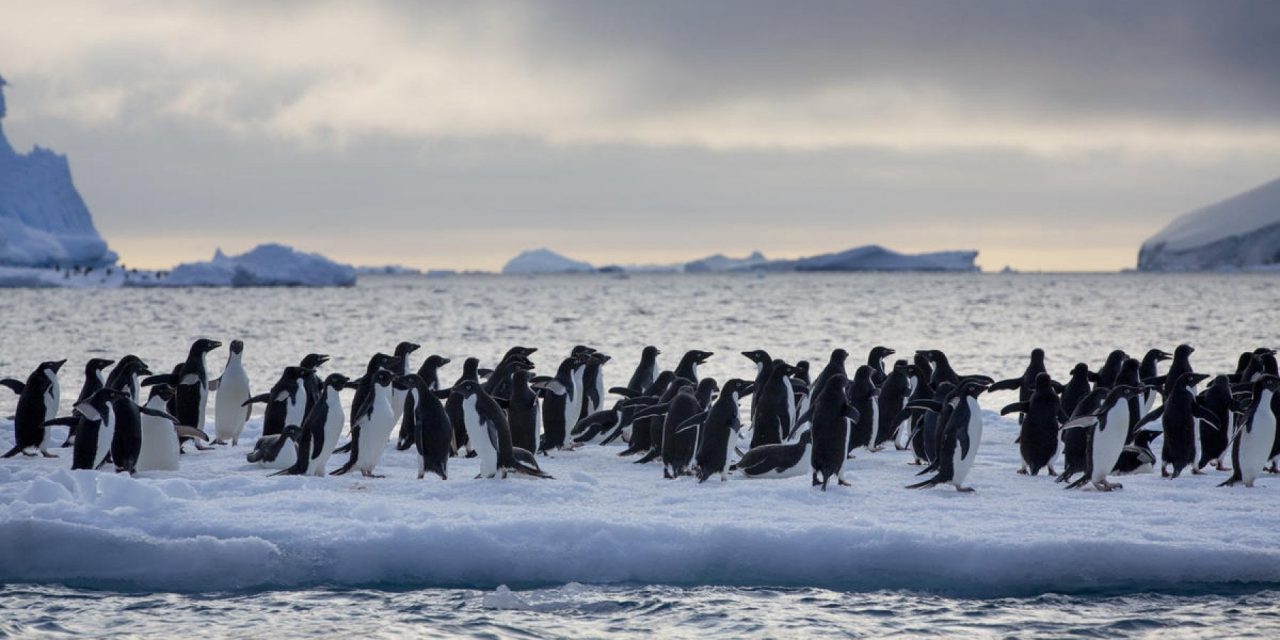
(1046, 135)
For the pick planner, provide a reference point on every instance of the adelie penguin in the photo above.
(524, 413)
(646, 371)
(862, 395)
(1252, 442)
(875, 360)
(892, 399)
(688, 367)
(429, 373)
(127, 375)
(834, 366)
(559, 408)
(286, 401)
(1148, 369)
(38, 399)
(399, 367)
(160, 431)
(1214, 443)
(1179, 415)
(1106, 431)
(778, 460)
(764, 367)
(775, 410)
(433, 434)
(1042, 418)
(278, 451)
(453, 406)
(373, 421)
(93, 380)
(678, 447)
(961, 437)
(232, 387)
(592, 384)
(830, 429)
(490, 435)
(717, 431)
(1076, 388)
(1026, 384)
(320, 429)
(192, 388)
(95, 429)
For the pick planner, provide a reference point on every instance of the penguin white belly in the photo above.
(296, 408)
(159, 450)
(374, 434)
(51, 399)
(902, 437)
(537, 423)
(285, 458)
(478, 434)
(106, 433)
(875, 424)
(332, 429)
(398, 397)
(962, 464)
(229, 413)
(1108, 443)
(791, 409)
(795, 470)
(1255, 445)
(570, 419)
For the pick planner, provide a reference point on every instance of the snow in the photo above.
(266, 265)
(1242, 231)
(221, 523)
(43, 220)
(544, 261)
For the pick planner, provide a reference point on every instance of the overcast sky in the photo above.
(1048, 135)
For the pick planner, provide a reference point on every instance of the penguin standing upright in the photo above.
(374, 421)
(1149, 370)
(286, 401)
(1075, 442)
(38, 401)
(429, 373)
(432, 431)
(862, 393)
(834, 366)
(764, 367)
(126, 377)
(1076, 388)
(1107, 429)
(93, 380)
(717, 431)
(774, 415)
(311, 382)
(559, 409)
(1042, 418)
(1026, 384)
(401, 367)
(320, 429)
(890, 402)
(830, 431)
(1180, 366)
(678, 448)
(875, 360)
(1253, 440)
(688, 367)
(229, 411)
(646, 371)
(1110, 369)
(1214, 443)
(95, 430)
(1179, 415)
(961, 437)
(490, 435)
(453, 405)
(592, 384)
(523, 413)
(192, 387)
(159, 450)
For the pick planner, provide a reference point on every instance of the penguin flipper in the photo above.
(184, 431)
(649, 457)
(1150, 417)
(12, 452)
(1006, 385)
(69, 421)
(158, 414)
(354, 447)
(624, 392)
(16, 385)
(931, 482)
(256, 399)
(1015, 407)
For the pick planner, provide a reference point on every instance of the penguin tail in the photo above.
(649, 457)
(12, 452)
(1231, 482)
(1079, 483)
(346, 448)
(931, 482)
(527, 470)
(340, 471)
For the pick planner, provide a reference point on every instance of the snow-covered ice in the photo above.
(266, 265)
(1240, 232)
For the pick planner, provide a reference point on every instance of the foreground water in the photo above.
(1169, 559)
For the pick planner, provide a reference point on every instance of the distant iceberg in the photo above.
(544, 261)
(1241, 232)
(721, 262)
(877, 258)
(43, 220)
(267, 265)
(388, 270)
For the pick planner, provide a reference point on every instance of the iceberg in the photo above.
(877, 258)
(43, 220)
(544, 261)
(1241, 232)
(721, 262)
(267, 265)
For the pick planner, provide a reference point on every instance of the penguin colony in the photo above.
(1104, 423)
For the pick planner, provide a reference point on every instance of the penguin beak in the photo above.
(58, 365)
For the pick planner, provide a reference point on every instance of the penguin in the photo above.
(1180, 365)
(286, 402)
(1252, 442)
(1216, 399)
(646, 370)
(229, 410)
(774, 416)
(830, 431)
(1110, 370)
(401, 367)
(834, 366)
(861, 393)
(159, 449)
(279, 451)
(592, 384)
(559, 409)
(126, 441)
(778, 460)
(1107, 429)
(1149, 370)
(1077, 387)
(95, 429)
(126, 377)
(453, 405)
(1075, 442)
(433, 434)
(921, 443)
(319, 429)
(582, 354)
(374, 421)
(490, 435)
(717, 428)
(688, 367)
(364, 385)
(191, 392)
(1026, 384)
(653, 417)
(1137, 457)
(942, 371)
(1038, 434)
(1129, 377)
(678, 448)
(311, 382)
(524, 414)
(93, 380)
(38, 401)
(500, 385)
(961, 438)
(429, 373)
(764, 367)
(1178, 415)
(875, 360)
(890, 402)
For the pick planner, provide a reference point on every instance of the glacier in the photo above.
(43, 220)
(1241, 232)
(267, 265)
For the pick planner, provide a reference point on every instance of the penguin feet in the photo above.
(843, 483)
(1022, 471)
(28, 454)
(1164, 472)
(1052, 472)
(47, 454)
(961, 489)
(370, 474)
(1197, 472)
(471, 454)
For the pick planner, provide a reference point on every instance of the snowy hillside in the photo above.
(1240, 232)
(544, 261)
(267, 265)
(43, 220)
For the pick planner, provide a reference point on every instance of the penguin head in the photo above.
(437, 361)
(519, 351)
(701, 356)
(237, 347)
(972, 388)
(522, 377)
(599, 358)
(838, 356)
(902, 366)
(1044, 382)
(1080, 370)
(337, 381)
(834, 386)
(163, 391)
(1037, 355)
(1191, 379)
(405, 348)
(470, 367)
(650, 352)
(781, 369)
(382, 378)
(879, 353)
(94, 365)
(1184, 351)
(759, 356)
(52, 366)
(802, 367)
(1159, 355)
(582, 349)
(204, 345)
(467, 388)
(736, 385)
(132, 364)
(314, 360)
